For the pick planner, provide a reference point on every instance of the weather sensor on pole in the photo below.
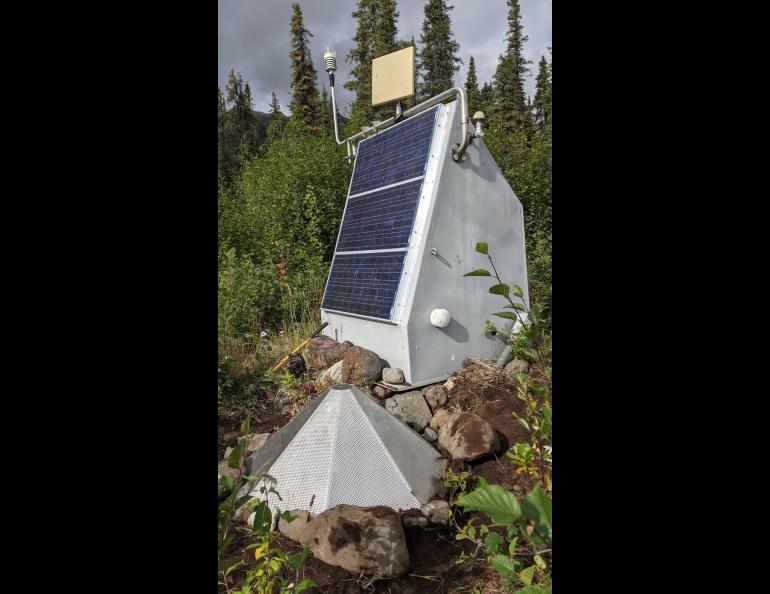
(424, 191)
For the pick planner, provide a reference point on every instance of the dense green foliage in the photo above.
(438, 58)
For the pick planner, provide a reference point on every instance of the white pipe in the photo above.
(457, 149)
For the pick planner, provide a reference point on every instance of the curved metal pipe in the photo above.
(457, 150)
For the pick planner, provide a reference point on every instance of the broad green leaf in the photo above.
(507, 315)
(537, 507)
(503, 564)
(287, 516)
(225, 544)
(297, 560)
(481, 481)
(500, 289)
(245, 426)
(227, 481)
(234, 461)
(482, 247)
(512, 546)
(540, 562)
(493, 543)
(527, 574)
(304, 585)
(495, 501)
(518, 306)
(263, 517)
(478, 272)
(516, 290)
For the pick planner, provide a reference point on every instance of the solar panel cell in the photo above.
(395, 154)
(380, 220)
(364, 284)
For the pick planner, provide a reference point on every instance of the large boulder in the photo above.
(256, 441)
(323, 351)
(437, 511)
(516, 366)
(410, 408)
(393, 375)
(357, 539)
(466, 436)
(296, 528)
(333, 375)
(435, 396)
(360, 365)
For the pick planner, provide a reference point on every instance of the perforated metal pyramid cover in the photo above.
(345, 448)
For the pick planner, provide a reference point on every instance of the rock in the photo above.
(466, 436)
(296, 365)
(419, 521)
(332, 375)
(410, 408)
(430, 434)
(449, 385)
(436, 511)
(323, 351)
(435, 396)
(360, 365)
(393, 375)
(295, 529)
(380, 392)
(256, 441)
(441, 417)
(225, 470)
(242, 514)
(359, 540)
(516, 366)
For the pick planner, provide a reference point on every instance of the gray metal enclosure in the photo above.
(459, 204)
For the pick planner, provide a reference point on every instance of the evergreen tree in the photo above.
(510, 108)
(375, 36)
(304, 96)
(277, 121)
(472, 88)
(326, 119)
(438, 60)
(223, 165)
(542, 102)
(486, 98)
(275, 106)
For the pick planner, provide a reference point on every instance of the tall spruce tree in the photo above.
(472, 88)
(304, 104)
(375, 36)
(222, 154)
(241, 130)
(438, 59)
(486, 98)
(542, 101)
(510, 109)
(277, 121)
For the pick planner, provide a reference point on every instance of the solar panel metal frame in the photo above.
(432, 138)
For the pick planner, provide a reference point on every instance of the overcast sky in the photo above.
(254, 39)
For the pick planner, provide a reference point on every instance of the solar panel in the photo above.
(364, 284)
(380, 220)
(379, 216)
(395, 154)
